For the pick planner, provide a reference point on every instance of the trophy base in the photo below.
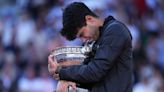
(70, 89)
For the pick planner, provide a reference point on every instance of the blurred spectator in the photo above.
(150, 22)
(134, 32)
(40, 40)
(151, 49)
(43, 79)
(31, 83)
(160, 51)
(159, 12)
(150, 80)
(151, 4)
(1, 55)
(28, 81)
(25, 27)
(8, 73)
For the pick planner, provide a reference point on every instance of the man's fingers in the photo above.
(56, 76)
(50, 58)
(51, 62)
(62, 86)
(52, 65)
(50, 69)
(73, 85)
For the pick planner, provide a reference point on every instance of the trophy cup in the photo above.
(72, 55)
(68, 55)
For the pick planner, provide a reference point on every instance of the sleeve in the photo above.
(105, 57)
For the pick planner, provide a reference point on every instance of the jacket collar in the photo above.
(105, 24)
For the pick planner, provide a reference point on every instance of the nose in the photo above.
(83, 40)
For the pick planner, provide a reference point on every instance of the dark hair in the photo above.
(74, 18)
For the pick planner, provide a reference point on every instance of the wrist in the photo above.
(58, 69)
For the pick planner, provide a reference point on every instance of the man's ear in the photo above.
(89, 19)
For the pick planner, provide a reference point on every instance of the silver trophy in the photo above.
(75, 54)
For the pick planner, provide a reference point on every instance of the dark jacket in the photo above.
(110, 68)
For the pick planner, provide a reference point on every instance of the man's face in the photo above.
(89, 32)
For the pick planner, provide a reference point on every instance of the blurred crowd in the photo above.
(29, 31)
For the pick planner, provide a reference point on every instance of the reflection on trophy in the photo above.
(72, 55)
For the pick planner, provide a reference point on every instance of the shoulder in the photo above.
(116, 28)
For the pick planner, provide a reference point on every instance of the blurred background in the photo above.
(29, 30)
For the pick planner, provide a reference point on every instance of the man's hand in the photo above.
(52, 67)
(63, 85)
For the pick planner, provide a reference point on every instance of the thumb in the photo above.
(51, 62)
(50, 59)
(73, 85)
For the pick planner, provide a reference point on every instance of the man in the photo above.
(109, 66)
